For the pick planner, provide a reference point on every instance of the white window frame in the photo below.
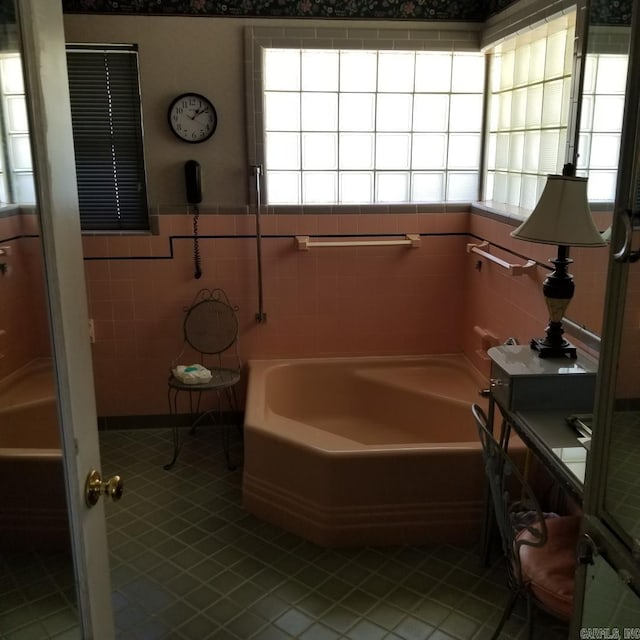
(432, 38)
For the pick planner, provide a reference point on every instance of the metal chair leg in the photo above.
(195, 412)
(199, 416)
(225, 448)
(234, 407)
(488, 528)
(506, 614)
(173, 406)
(226, 438)
(530, 616)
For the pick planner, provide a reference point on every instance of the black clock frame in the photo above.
(192, 94)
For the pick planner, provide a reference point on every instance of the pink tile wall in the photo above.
(506, 305)
(23, 315)
(321, 302)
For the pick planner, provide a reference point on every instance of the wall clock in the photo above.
(192, 117)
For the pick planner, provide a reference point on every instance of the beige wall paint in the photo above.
(206, 55)
(176, 55)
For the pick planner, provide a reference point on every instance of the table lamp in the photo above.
(561, 217)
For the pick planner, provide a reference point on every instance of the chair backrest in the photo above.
(211, 324)
(515, 505)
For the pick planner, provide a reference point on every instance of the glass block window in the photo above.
(601, 123)
(530, 84)
(16, 170)
(357, 126)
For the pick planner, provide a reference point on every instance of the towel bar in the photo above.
(304, 243)
(513, 269)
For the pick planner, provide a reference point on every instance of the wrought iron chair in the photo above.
(210, 331)
(540, 549)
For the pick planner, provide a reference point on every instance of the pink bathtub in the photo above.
(365, 451)
(33, 508)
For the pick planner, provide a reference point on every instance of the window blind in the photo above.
(107, 136)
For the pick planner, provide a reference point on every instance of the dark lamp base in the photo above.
(545, 350)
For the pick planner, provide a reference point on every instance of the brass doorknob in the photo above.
(95, 487)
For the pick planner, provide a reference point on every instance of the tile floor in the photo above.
(189, 563)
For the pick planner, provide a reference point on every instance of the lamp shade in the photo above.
(562, 216)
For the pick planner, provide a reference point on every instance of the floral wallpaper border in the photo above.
(603, 12)
(611, 12)
(463, 10)
(616, 12)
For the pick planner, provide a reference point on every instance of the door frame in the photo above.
(41, 28)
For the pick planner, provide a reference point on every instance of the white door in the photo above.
(44, 61)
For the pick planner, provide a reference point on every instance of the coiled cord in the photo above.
(196, 244)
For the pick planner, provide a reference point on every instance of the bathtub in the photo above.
(33, 511)
(365, 451)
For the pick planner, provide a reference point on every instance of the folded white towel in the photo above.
(192, 374)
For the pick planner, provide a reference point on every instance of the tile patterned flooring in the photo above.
(188, 562)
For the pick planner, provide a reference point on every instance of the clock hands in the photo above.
(197, 112)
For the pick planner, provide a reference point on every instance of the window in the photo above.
(107, 136)
(16, 171)
(366, 126)
(530, 81)
(601, 123)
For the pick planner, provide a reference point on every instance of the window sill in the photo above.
(13, 209)
(107, 232)
(500, 211)
(372, 208)
(8, 210)
(512, 215)
(153, 230)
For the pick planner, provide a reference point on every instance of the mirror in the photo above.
(603, 94)
(602, 98)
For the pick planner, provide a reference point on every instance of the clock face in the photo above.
(192, 117)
